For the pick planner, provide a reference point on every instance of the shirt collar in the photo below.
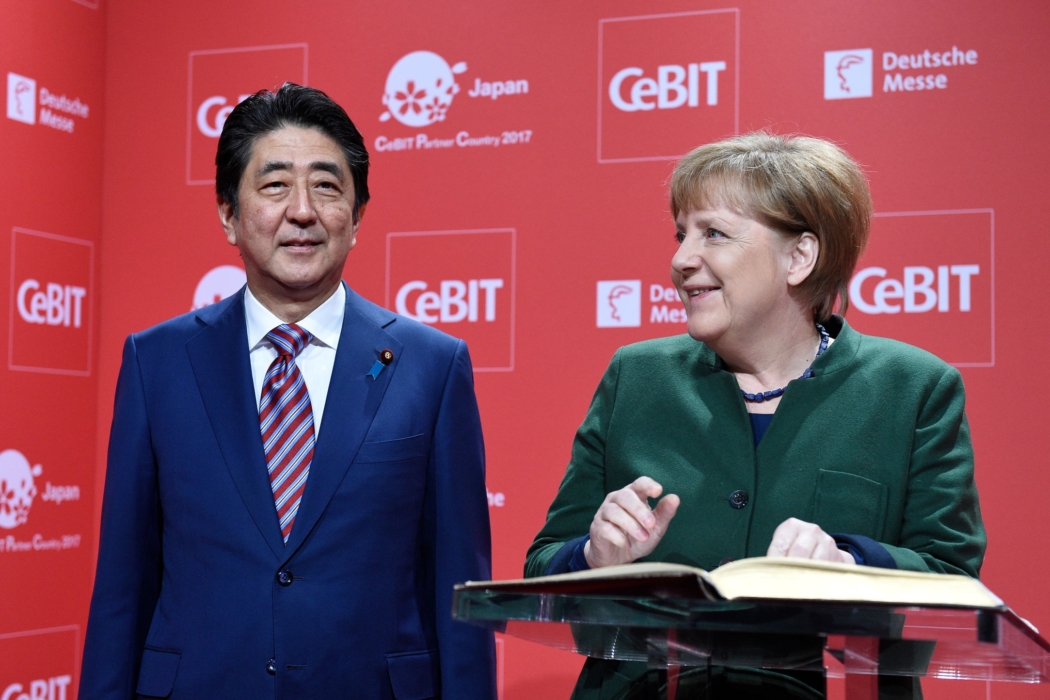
(325, 323)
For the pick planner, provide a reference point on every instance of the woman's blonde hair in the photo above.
(792, 184)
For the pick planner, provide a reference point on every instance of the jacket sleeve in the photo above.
(583, 487)
(127, 579)
(942, 530)
(457, 542)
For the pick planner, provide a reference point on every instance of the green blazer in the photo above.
(876, 443)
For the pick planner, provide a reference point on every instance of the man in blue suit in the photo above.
(296, 475)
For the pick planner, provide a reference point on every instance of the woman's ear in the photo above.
(803, 258)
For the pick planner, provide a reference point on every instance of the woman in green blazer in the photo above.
(773, 427)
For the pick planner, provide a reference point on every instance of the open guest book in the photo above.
(761, 578)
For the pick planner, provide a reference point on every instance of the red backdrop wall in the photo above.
(524, 212)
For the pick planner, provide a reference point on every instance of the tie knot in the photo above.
(288, 339)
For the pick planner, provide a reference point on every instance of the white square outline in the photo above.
(91, 296)
(601, 92)
(991, 235)
(189, 91)
(53, 630)
(513, 275)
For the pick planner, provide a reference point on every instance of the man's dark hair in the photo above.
(291, 105)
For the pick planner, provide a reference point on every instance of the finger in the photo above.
(619, 517)
(665, 510)
(634, 504)
(803, 546)
(646, 487)
(606, 536)
(827, 550)
(783, 537)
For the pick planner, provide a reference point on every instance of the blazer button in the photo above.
(271, 667)
(284, 578)
(738, 499)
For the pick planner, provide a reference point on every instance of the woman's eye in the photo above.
(715, 233)
(679, 236)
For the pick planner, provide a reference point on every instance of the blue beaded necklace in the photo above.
(774, 393)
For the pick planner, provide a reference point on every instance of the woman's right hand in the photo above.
(625, 528)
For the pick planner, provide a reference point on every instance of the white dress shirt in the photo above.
(317, 359)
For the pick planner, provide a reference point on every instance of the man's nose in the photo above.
(301, 210)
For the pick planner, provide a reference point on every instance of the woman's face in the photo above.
(732, 273)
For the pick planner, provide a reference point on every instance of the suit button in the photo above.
(738, 499)
(271, 666)
(284, 578)
(726, 560)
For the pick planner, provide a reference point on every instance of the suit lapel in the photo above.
(352, 402)
(219, 356)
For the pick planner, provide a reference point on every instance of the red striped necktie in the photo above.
(287, 422)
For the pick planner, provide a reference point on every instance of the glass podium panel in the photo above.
(840, 639)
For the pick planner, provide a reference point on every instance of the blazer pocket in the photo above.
(849, 504)
(413, 674)
(400, 450)
(157, 672)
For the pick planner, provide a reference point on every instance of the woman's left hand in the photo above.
(797, 538)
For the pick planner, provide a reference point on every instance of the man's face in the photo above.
(295, 225)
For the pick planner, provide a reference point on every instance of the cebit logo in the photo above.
(460, 282)
(212, 113)
(847, 74)
(217, 284)
(17, 489)
(456, 301)
(673, 87)
(666, 82)
(619, 303)
(420, 88)
(916, 294)
(51, 304)
(218, 80)
(53, 688)
(21, 98)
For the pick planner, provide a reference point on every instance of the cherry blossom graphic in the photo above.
(420, 88)
(17, 489)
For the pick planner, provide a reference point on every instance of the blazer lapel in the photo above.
(352, 402)
(219, 356)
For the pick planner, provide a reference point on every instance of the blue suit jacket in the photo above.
(189, 600)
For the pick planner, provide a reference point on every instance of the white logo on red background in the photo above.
(211, 115)
(219, 79)
(50, 308)
(420, 88)
(847, 74)
(928, 279)
(661, 90)
(461, 282)
(53, 688)
(619, 303)
(850, 73)
(217, 284)
(56, 110)
(419, 92)
(21, 98)
(17, 488)
(38, 663)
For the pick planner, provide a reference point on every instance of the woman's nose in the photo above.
(686, 259)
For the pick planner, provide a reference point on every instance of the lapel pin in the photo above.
(385, 358)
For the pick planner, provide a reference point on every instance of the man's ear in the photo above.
(226, 218)
(803, 258)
